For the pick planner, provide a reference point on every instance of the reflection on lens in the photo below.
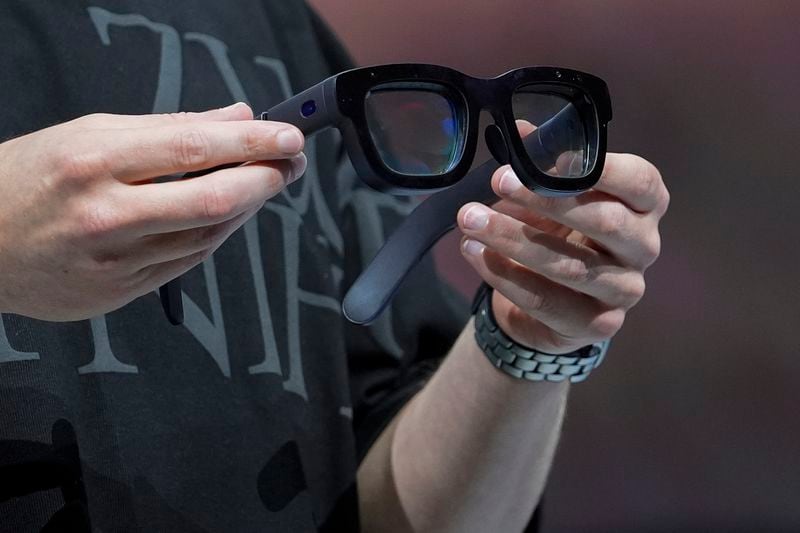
(564, 143)
(417, 127)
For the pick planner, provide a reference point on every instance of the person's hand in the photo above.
(566, 270)
(85, 229)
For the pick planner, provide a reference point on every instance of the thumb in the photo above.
(525, 128)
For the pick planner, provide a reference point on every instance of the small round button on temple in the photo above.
(308, 108)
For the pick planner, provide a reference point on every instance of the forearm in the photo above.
(470, 452)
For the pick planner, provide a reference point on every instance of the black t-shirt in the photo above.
(253, 415)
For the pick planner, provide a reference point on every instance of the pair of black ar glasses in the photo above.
(413, 129)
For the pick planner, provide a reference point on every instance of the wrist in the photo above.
(524, 362)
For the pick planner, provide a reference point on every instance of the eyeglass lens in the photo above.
(566, 146)
(416, 127)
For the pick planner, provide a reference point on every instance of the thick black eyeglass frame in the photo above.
(339, 101)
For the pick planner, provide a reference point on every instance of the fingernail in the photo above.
(290, 141)
(476, 217)
(472, 247)
(299, 164)
(509, 182)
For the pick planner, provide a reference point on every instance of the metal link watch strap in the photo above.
(526, 363)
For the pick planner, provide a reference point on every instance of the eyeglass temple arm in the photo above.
(374, 289)
(310, 111)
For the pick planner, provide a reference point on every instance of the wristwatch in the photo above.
(527, 363)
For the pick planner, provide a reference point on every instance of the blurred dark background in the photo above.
(693, 423)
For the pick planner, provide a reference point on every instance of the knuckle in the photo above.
(651, 248)
(664, 201)
(504, 233)
(92, 120)
(612, 218)
(254, 141)
(217, 205)
(646, 178)
(633, 289)
(650, 184)
(536, 303)
(178, 116)
(78, 166)
(191, 148)
(98, 220)
(64, 161)
(607, 324)
(548, 204)
(574, 270)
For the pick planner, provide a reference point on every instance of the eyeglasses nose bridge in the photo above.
(497, 144)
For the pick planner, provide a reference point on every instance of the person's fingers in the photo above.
(567, 263)
(568, 163)
(134, 155)
(208, 199)
(166, 247)
(237, 111)
(636, 182)
(531, 218)
(524, 127)
(574, 318)
(630, 236)
(155, 276)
